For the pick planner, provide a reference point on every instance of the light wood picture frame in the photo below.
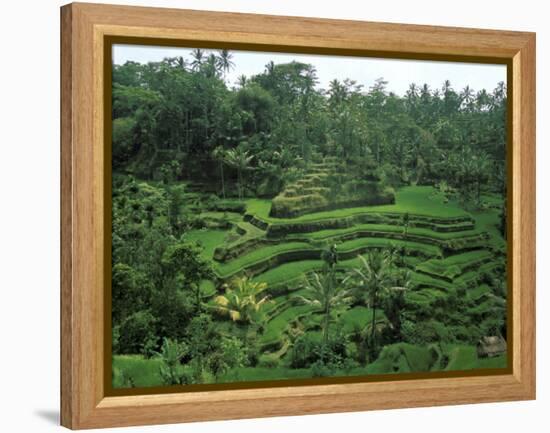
(87, 30)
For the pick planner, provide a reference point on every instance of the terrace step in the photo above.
(250, 235)
(443, 225)
(264, 264)
(453, 267)
(262, 225)
(299, 198)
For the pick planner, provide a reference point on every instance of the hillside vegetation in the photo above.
(274, 230)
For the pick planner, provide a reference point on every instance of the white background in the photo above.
(29, 215)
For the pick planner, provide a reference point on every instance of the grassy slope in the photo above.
(465, 358)
(264, 253)
(456, 264)
(415, 200)
(144, 372)
(325, 234)
(225, 270)
(418, 200)
(275, 328)
(208, 239)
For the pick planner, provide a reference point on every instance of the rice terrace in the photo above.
(281, 223)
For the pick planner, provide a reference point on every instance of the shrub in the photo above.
(419, 332)
(268, 361)
(308, 350)
(123, 139)
(228, 206)
(304, 351)
(231, 355)
(171, 370)
(137, 334)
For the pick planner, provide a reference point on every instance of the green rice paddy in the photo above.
(449, 250)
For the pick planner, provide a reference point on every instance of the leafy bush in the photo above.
(123, 139)
(419, 332)
(228, 206)
(137, 334)
(304, 351)
(171, 370)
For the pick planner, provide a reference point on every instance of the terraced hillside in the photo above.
(299, 220)
(451, 255)
(329, 185)
(456, 293)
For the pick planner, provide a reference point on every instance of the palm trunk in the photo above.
(325, 327)
(187, 130)
(325, 334)
(223, 181)
(240, 184)
(373, 324)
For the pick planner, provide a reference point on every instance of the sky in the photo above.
(398, 73)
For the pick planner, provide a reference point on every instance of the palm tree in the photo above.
(322, 293)
(372, 280)
(211, 67)
(181, 62)
(394, 299)
(370, 277)
(243, 302)
(483, 100)
(224, 61)
(412, 93)
(337, 92)
(219, 155)
(394, 255)
(239, 159)
(467, 97)
(198, 58)
(446, 87)
(241, 80)
(270, 68)
(500, 91)
(480, 167)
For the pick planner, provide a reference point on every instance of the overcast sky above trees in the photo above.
(398, 73)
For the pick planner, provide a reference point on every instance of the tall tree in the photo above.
(219, 155)
(326, 296)
(225, 61)
(185, 265)
(198, 56)
(239, 159)
(370, 282)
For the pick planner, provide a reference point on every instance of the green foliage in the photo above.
(123, 139)
(373, 223)
(131, 291)
(232, 355)
(137, 334)
(171, 370)
(183, 263)
(305, 351)
(324, 294)
(243, 301)
(136, 371)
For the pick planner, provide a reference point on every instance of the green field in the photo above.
(283, 263)
(415, 200)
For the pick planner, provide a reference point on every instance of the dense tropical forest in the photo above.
(270, 229)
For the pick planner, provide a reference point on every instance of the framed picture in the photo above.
(268, 216)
